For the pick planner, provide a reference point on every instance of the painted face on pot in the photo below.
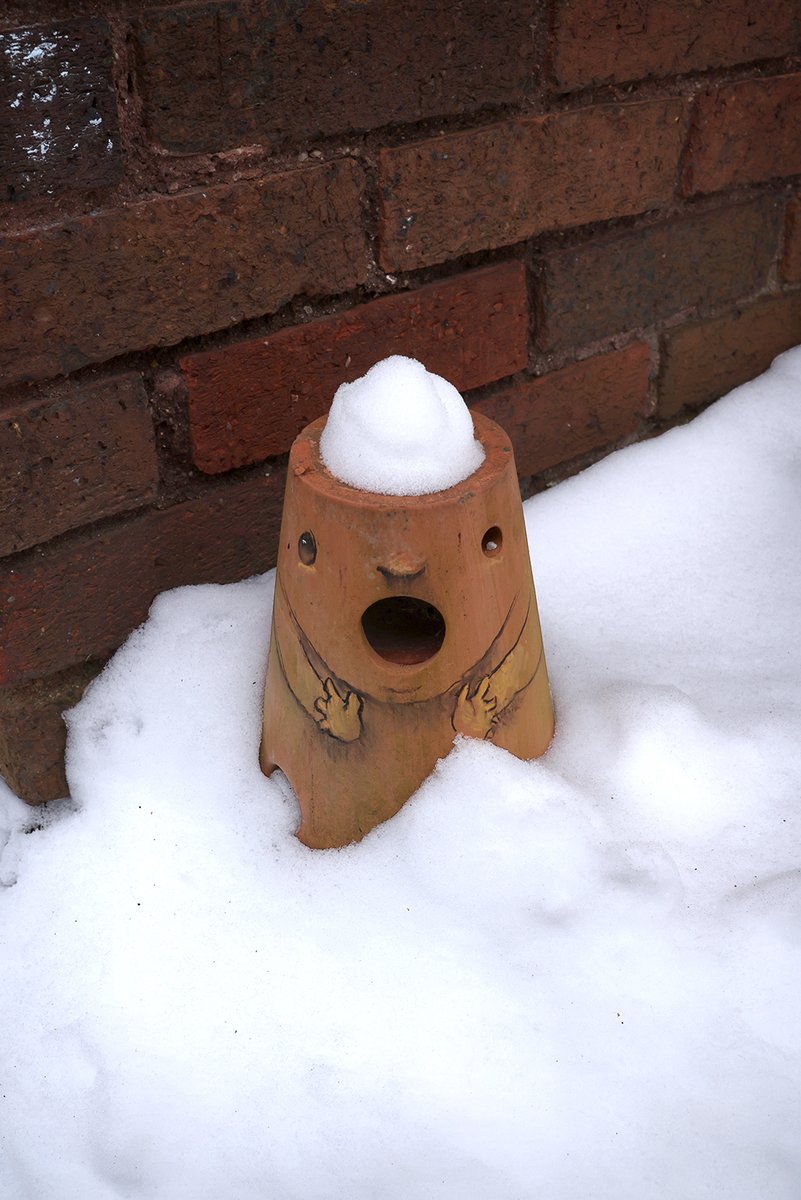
(402, 597)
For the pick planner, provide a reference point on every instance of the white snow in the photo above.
(400, 430)
(22, 49)
(573, 979)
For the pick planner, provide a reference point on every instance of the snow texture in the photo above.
(400, 431)
(573, 978)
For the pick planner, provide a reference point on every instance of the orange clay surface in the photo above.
(398, 622)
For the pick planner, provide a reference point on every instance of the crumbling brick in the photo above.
(560, 416)
(500, 184)
(72, 453)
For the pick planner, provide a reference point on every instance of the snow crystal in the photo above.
(400, 430)
(571, 978)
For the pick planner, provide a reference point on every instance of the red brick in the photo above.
(224, 75)
(503, 183)
(605, 41)
(172, 267)
(72, 454)
(791, 260)
(60, 128)
(81, 597)
(744, 133)
(634, 280)
(704, 361)
(589, 405)
(249, 400)
(33, 734)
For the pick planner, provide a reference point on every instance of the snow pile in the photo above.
(401, 431)
(572, 978)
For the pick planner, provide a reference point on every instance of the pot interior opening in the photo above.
(404, 630)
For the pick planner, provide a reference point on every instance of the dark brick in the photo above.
(744, 133)
(249, 400)
(72, 454)
(589, 405)
(704, 361)
(33, 734)
(603, 41)
(224, 75)
(59, 130)
(634, 280)
(791, 259)
(503, 183)
(80, 598)
(173, 267)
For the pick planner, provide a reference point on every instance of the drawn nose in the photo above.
(402, 566)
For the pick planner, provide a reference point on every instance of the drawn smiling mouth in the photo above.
(406, 631)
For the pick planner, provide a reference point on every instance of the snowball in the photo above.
(401, 431)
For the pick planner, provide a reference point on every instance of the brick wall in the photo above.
(585, 213)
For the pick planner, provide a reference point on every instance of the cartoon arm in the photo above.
(339, 712)
(476, 710)
(479, 708)
(331, 704)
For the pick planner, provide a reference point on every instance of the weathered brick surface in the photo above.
(257, 79)
(791, 259)
(601, 41)
(221, 75)
(169, 268)
(33, 734)
(497, 185)
(639, 278)
(72, 454)
(703, 361)
(80, 598)
(249, 400)
(59, 130)
(560, 416)
(743, 133)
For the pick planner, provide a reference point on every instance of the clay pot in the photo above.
(398, 622)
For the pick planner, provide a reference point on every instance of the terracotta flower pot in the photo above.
(399, 621)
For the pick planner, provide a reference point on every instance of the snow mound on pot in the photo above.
(400, 431)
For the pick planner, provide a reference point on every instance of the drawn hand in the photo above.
(338, 715)
(475, 715)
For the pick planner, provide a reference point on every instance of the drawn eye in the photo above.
(492, 541)
(307, 548)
